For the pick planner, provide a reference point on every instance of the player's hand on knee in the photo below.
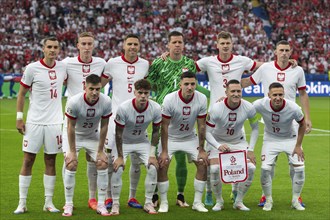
(101, 161)
(153, 161)
(298, 150)
(224, 148)
(163, 160)
(71, 161)
(119, 162)
(202, 158)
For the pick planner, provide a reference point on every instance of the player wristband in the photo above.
(152, 151)
(19, 115)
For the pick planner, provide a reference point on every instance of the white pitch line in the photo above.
(316, 129)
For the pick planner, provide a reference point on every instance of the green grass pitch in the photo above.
(315, 193)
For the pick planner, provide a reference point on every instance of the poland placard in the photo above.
(233, 166)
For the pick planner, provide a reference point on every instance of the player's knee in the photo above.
(88, 158)
(135, 161)
(101, 165)
(265, 177)
(119, 171)
(251, 167)
(72, 166)
(299, 174)
(214, 168)
(152, 171)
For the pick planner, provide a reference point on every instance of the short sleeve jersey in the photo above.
(45, 85)
(78, 71)
(291, 78)
(136, 122)
(220, 72)
(183, 114)
(164, 76)
(124, 74)
(88, 115)
(228, 122)
(278, 123)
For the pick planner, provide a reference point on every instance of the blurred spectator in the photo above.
(305, 24)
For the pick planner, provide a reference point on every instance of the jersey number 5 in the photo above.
(130, 87)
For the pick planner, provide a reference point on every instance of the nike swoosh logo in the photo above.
(52, 83)
(68, 188)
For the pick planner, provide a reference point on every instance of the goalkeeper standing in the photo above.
(164, 76)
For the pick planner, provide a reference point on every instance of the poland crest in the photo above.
(86, 68)
(52, 74)
(281, 77)
(131, 69)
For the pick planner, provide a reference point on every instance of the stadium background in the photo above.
(306, 24)
(255, 27)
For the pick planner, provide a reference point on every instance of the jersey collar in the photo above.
(88, 103)
(226, 103)
(182, 99)
(280, 109)
(225, 61)
(44, 64)
(124, 59)
(136, 109)
(80, 60)
(278, 67)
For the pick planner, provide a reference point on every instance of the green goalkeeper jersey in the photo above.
(164, 75)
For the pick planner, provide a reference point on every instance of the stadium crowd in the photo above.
(305, 24)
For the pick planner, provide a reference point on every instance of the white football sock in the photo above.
(298, 182)
(163, 189)
(92, 179)
(116, 185)
(49, 184)
(150, 183)
(110, 171)
(243, 187)
(134, 176)
(216, 183)
(69, 185)
(24, 184)
(102, 185)
(199, 186)
(266, 183)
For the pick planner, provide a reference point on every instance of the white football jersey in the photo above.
(220, 72)
(278, 124)
(183, 114)
(45, 85)
(88, 115)
(227, 122)
(78, 71)
(291, 78)
(124, 74)
(136, 122)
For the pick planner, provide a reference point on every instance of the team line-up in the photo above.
(110, 129)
